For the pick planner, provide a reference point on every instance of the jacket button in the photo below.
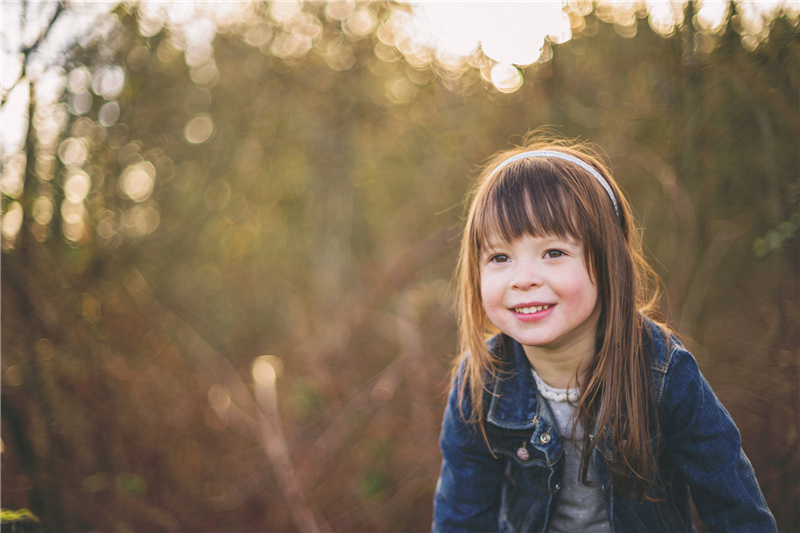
(523, 454)
(544, 438)
(557, 488)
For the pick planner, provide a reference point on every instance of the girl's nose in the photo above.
(526, 276)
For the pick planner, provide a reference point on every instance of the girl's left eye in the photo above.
(553, 254)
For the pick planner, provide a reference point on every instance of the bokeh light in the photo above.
(13, 119)
(507, 78)
(77, 186)
(509, 33)
(11, 223)
(199, 129)
(137, 181)
(13, 177)
(264, 371)
(108, 114)
(108, 82)
(43, 210)
(519, 33)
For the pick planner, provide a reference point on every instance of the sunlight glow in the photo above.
(506, 78)
(516, 33)
(444, 38)
(665, 17)
(712, 14)
(14, 120)
(513, 33)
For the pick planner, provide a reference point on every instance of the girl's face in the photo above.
(538, 291)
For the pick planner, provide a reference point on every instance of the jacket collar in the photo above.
(515, 403)
(515, 400)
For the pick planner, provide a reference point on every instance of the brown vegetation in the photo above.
(299, 208)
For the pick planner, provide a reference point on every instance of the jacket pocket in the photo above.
(516, 445)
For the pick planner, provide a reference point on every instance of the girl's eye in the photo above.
(553, 254)
(498, 258)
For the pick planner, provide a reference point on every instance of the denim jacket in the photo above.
(511, 490)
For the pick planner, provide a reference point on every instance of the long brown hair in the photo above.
(550, 196)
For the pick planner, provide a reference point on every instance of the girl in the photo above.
(581, 413)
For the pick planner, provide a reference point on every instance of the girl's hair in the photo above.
(550, 196)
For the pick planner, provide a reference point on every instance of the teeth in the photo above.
(535, 308)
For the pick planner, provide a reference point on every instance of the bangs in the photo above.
(526, 201)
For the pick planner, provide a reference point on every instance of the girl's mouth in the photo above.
(532, 309)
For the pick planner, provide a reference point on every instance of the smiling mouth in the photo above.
(533, 309)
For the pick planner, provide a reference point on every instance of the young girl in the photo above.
(581, 413)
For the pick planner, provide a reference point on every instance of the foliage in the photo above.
(296, 190)
(19, 521)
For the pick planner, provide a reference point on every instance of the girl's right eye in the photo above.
(498, 258)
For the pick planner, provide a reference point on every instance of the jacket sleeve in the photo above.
(468, 492)
(705, 445)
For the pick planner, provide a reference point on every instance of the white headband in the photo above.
(566, 157)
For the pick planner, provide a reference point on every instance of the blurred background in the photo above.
(228, 231)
